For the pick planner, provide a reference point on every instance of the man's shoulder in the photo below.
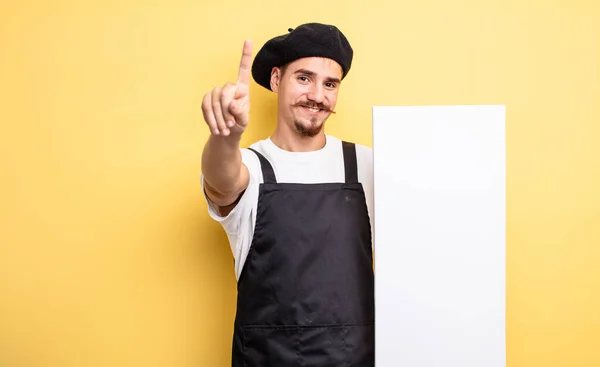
(260, 146)
(364, 158)
(363, 149)
(363, 152)
(250, 159)
(360, 146)
(256, 145)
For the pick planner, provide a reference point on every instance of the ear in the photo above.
(275, 79)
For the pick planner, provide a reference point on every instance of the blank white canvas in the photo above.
(439, 232)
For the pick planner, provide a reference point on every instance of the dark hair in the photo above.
(283, 68)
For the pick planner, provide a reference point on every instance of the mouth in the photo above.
(312, 110)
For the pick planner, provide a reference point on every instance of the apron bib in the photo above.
(306, 292)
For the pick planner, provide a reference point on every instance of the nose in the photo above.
(316, 93)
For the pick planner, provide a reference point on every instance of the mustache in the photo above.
(320, 106)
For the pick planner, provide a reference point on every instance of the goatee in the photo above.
(308, 131)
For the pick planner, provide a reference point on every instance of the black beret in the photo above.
(307, 40)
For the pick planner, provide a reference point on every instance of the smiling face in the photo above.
(307, 93)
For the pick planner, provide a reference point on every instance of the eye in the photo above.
(303, 78)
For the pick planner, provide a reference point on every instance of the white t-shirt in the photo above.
(321, 166)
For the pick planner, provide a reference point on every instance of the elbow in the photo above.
(222, 196)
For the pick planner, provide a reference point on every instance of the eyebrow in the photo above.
(312, 73)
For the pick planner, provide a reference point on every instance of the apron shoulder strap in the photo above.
(265, 166)
(350, 163)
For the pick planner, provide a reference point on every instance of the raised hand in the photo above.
(226, 109)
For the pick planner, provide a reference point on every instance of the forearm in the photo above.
(226, 112)
(222, 168)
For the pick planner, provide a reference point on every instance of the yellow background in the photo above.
(107, 254)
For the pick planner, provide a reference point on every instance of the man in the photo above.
(297, 208)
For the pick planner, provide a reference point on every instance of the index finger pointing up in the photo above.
(245, 63)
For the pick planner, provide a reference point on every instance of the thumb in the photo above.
(241, 91)
(238, 109)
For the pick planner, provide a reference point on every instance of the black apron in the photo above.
(306, 291)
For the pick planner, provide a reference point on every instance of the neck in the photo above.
(292, 141)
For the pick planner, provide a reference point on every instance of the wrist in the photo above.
(230, 141)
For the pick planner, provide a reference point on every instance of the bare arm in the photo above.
(226, 112)
(225, 176)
